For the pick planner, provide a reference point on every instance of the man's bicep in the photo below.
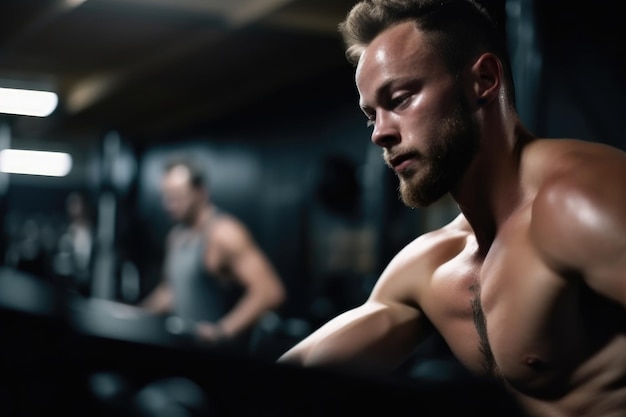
(604, 266)
(583, 232)
(372, 338)
(250, 266)
(247, 262)
(236, 247)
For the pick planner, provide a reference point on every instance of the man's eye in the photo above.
(399, 100)
(370, 122)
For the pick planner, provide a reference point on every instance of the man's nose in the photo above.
(385, 133)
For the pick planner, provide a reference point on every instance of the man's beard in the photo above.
(449, 153)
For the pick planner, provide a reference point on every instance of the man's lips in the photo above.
(401, 162)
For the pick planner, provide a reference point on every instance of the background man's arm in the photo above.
(263, 289)
(160, 300)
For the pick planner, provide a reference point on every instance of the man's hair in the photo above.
(458, 30)
(198, 178)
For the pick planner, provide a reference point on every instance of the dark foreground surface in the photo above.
(77, 361)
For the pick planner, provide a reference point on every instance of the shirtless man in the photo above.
(528, 283)
(215, 274)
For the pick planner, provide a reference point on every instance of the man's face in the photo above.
(75, 207)
(419, 114)
(180, 199)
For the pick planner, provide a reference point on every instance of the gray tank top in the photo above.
(198, 294)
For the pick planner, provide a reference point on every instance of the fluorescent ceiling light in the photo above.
(27, 102)
(19, 161)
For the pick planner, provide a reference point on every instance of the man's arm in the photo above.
(579, 224)
(160, 300)
(263, 289)
(378, 336)
(372, 338)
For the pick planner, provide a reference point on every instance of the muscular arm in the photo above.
(372, 338)
(159, 301)
(579, 224)
(379, 335)
(263, 289)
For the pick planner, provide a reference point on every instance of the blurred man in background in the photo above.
(215, 275)
(78, 242)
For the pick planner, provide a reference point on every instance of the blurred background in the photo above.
(261, 92)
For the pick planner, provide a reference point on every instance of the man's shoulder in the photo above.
(225, 223)
(409, 273)
(228, 230)
(455, 229)
(544, 160)
(562, 174)
(433, 248)
(580, 199)
(562, 168)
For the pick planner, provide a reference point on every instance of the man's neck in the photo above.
(200, 218)
(491, 190)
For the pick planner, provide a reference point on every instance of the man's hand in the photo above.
(210, 332)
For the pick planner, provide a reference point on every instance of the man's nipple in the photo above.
(535, 363)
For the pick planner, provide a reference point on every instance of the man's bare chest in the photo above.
(508, 314)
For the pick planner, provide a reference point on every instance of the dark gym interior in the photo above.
(261, 92)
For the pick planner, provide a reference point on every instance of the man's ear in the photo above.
(487, 76)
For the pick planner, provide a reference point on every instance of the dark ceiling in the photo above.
(156, 68)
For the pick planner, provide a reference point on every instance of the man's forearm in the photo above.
(159, 302)
(248, 311)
